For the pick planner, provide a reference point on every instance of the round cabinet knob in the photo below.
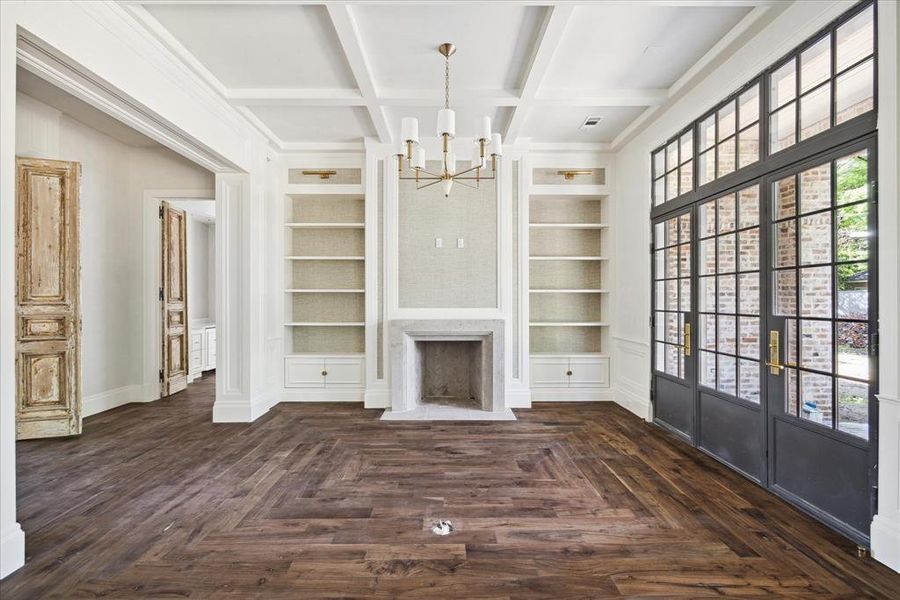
(324, 373)
(569, 373)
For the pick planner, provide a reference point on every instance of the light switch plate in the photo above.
(460, 243)
(438, 242)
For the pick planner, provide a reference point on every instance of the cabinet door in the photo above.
(344, 372)
(550, 372)
(196, 351)
(304, 372)
(210, 348)
(589, 372)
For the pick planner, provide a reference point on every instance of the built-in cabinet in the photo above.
(569, 271)
(202, 355)
(324, 277)
(334, 224)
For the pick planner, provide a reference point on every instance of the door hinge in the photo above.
(160, 293)
(160, 375)
(651, 248)
(874, 499)
(160, 212)
(873, 344)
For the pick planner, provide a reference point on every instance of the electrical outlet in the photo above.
(460, 243)
(438, 242)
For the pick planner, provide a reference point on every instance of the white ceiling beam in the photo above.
(548, 40)
(294, 97)
(348, 34)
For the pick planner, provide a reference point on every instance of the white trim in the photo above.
(378, 398)
(571, 395)
(518, 398)
(228, 410)
(110, 399)
(886, 541)
(635, 398)
(46, 63)
(12, 549)
(324, 395)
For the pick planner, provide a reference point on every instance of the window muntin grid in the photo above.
(672, 292)
(673, 168)
(828, 81)
(729, 136)
(728, 266)
(821, 240)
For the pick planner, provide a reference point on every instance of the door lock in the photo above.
(775, 367)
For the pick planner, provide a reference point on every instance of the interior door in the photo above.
(672, 323)
(821, 345)
(173, 299)
(731, 424)
(48, 314)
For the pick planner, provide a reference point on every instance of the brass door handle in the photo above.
(687, 339)
(775, 367)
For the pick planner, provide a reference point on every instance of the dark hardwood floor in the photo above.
(326, 501)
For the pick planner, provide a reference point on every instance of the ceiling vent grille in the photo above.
(591, 122)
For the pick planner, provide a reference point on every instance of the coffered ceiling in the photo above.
(329, 74)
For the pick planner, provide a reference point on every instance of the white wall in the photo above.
(201, 269)
(113, 179)
(631, 331)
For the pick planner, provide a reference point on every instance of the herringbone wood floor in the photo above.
(326, 501)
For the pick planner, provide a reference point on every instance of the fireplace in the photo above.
(450, 373)
(454, 365)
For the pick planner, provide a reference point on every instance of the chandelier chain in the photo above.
(446, 82)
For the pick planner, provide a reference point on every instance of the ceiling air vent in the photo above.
(590, 122)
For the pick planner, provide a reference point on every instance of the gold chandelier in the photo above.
(412, 150)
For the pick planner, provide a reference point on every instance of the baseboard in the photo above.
(518, 398)
(240, 410)
(377, 399)
(322, 395)
(571, 395)
(885, 536)
(97, 403)
(634, 399)
(12, 549)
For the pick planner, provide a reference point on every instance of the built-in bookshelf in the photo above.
(324, 229)
(568, 270)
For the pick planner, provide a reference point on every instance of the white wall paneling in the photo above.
(886, 524)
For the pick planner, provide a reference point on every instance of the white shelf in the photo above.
(567, 291)
(325, 257)
(568, 324)
(325, 291)
(309, 225)
(568, 225)
(568, 258)
(324, 324)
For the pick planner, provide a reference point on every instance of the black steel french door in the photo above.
(673, 319)
(730, 414)
(764, 332)
(821, 346)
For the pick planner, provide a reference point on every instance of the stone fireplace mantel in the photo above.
(406, 368)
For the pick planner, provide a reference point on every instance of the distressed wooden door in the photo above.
(48, 311)
(173, 299)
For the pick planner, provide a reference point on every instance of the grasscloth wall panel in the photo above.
(448, 277)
